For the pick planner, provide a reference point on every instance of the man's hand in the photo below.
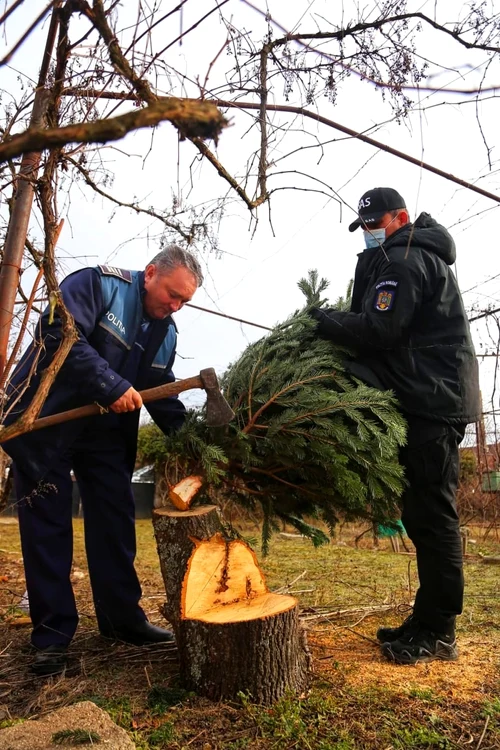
(130, 401)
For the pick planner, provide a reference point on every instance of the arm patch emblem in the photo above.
(121, 273)
(385, 294)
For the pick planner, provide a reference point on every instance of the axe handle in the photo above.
(151, 394)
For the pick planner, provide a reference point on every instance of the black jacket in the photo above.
(408, 325)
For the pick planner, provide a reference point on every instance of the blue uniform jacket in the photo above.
(118, 347)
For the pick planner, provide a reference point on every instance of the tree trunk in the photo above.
(232, 633)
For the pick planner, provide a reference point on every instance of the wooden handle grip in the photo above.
(151, 394)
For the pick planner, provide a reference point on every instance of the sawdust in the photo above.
(465, 680)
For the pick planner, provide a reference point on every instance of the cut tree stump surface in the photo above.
(224, 584)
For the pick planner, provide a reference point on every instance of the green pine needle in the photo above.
(308, 440)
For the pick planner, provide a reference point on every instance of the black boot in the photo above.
(141, 634)
(421, 644)
(387, 635)
(50, 661)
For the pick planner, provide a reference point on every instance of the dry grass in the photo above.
(357, 699)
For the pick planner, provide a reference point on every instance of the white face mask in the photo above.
(374, 237)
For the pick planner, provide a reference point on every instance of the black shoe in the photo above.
(420, 644)
(139, 635)
(50, 660)
(387, 635)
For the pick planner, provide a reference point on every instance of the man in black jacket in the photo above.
(408, 326)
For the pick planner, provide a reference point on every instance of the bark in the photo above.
(233, 635)
(263, 658)
(174, 532)
(191, 117)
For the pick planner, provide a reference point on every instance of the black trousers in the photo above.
(101, 465)
(431, 461)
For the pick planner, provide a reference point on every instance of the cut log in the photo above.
(182, 494)
(233, 634)
(490, 560)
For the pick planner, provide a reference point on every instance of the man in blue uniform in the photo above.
(127, 341)
(408, 326)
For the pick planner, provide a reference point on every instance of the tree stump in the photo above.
(233, 634)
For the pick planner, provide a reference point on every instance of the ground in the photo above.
(356, 700)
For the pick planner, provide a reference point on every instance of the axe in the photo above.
(218, 410)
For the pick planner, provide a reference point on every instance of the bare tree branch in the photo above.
(205, 151)
(188, 236)
(360, 137)
(192, 118)
(97, 17)
(10, 10)
(325, 121)
(28, 31)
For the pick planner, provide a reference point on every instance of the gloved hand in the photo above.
(327, 325)
(316, 313)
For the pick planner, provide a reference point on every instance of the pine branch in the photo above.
(308, 441)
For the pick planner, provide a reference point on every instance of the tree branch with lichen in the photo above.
(191, 117)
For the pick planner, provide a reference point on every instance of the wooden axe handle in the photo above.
(151, 394)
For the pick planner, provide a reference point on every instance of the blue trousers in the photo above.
(101, 465)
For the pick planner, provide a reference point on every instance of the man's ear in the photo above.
(403, 217)
(149, 271)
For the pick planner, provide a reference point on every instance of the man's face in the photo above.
(167, 292)
(390, 223)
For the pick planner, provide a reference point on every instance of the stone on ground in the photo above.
(37, 734)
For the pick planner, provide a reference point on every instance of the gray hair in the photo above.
(172, 257)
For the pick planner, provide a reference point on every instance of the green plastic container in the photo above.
(491, 481)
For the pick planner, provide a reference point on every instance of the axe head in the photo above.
(218, 410)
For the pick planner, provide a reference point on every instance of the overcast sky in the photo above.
(255, 275)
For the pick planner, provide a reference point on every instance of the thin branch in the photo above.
(205, 151)
(264, 472)
(262, 168)
(184, 33)
(24, 324)
(341, 34)
(28, 31)
(219, 53)
(93, 93)
(484, 314)
(360, 27)
(156, 23)
(138, 209)
(97, 16)
(230, 317)
(277, 395)
(361, 137)
(10, 10)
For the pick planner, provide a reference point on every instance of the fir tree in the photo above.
(308, 441)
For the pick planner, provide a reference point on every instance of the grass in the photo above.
(356, 700)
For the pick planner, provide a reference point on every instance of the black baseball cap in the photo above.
(374, 204)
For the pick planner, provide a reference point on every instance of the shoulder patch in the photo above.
(384, 297)
(121, 273)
